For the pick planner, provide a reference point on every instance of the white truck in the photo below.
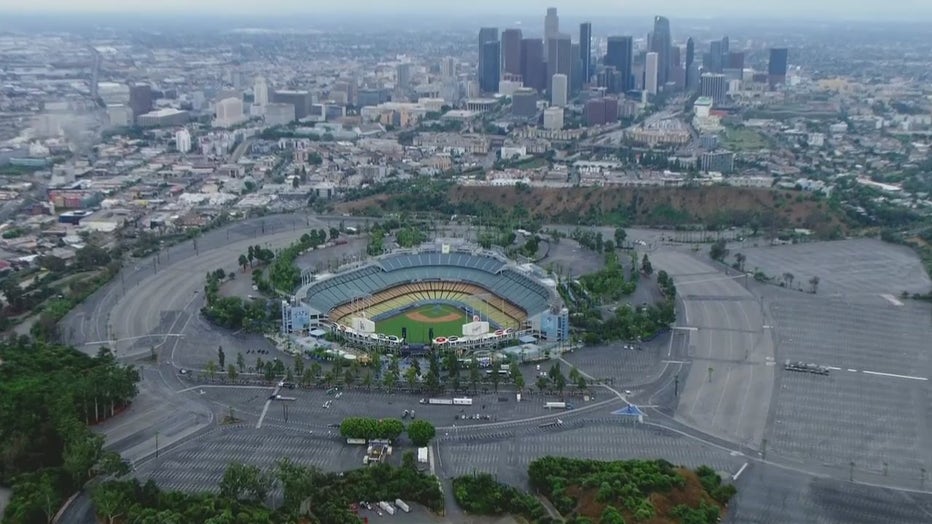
(402, 506)
(422, 456)
(387, 507)
(555, 405)
(462, 401)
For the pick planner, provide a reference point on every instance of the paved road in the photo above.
(727, 335)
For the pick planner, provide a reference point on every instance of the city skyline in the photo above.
(902, 9)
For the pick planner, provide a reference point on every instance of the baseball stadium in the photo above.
(433, 296)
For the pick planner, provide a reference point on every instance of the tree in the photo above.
(646, 266)
(474, 374)
(814, 285)
(243, 261)
(367, 380)
(91, 256)
(232, 373)
(516, 375)
(296, 481)
(298, 366)
(420, 432)
(788, 279)
(611, 515)
(109, 500)
(620, 236)
(719, 250)
(242, 482)
(251, 255)
(496, 379)
(211, 369)
(411, 377)
(221, 357)
(240, 362)
(740, 259)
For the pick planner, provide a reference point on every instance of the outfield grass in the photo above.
(418, 331)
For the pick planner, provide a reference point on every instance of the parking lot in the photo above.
(847, 267)
(874, 406)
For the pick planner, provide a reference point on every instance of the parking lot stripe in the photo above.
(909, 377)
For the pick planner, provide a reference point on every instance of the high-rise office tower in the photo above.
(660, 43)
(735, 60)
(651, 73)
(620, 55)
(140, 99)
(725, 47)
(448, 67)
(486, 35)
(402, 75)
(551, 28)
(559, 90)
(260, 92)
(560, 57)
(776, 68)
(675, 58)
(715, 86)
(491, 60)
(712, 61)
(585, 51)
(575, 69)
(690, 52)
(533, 68)
(511, 51)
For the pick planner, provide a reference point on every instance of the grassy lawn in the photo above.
(440, 318)
(744, 139)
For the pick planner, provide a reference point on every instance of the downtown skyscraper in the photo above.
(585, 52)
(620, 55)
(490, 61)
(660, 42)
(511, 52)
(551, 28)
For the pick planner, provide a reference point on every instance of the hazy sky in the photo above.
(861, 9)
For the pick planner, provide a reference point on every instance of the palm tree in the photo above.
(232, 372)
(788, 279)
(243, 261)
(814, 284)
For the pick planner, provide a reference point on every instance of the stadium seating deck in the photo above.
(398, 281)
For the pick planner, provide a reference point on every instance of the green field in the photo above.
(435, 316)
(744, 139)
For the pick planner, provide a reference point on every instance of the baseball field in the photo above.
(444, 319)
